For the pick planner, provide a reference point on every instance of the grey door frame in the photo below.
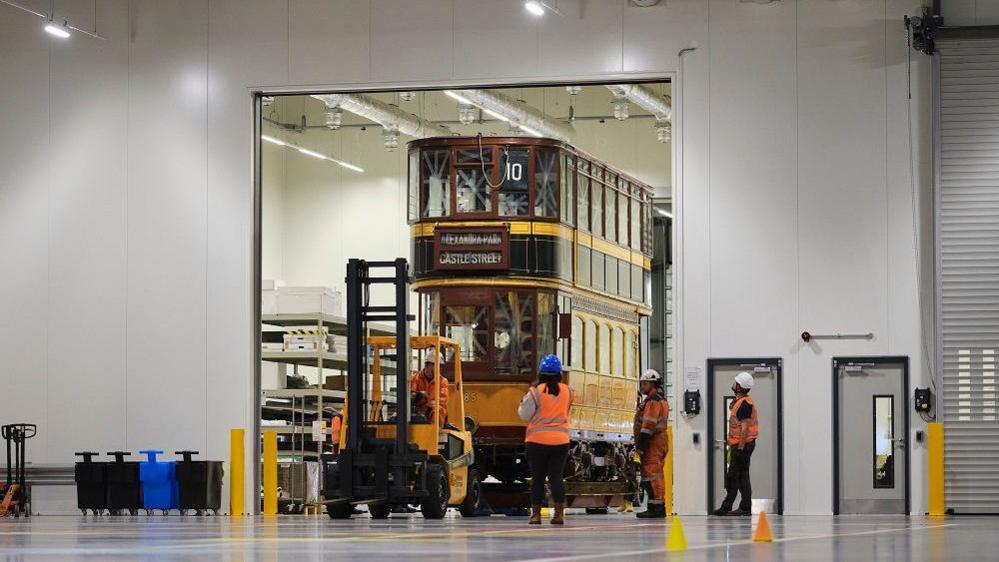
(774, 362)
(876, 360)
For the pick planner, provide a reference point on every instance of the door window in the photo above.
(884, 435)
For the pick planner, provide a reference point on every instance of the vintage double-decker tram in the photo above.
(527, 246)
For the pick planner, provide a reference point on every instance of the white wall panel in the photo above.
(585, 39)
(328, 41)
(410, 41)
(653, 36)
(25, 169)
(495, 39)
(87, 240)
(235, 28)
(167, 397)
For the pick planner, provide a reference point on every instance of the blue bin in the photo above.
(159, 483)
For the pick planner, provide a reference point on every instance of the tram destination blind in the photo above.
(471, 248)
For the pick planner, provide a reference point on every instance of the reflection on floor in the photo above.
(585, 537)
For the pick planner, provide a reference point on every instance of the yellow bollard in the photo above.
(935, 468)
(270, 473)
(236, 468)
(668, 471)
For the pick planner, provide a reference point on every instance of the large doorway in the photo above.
(871, 428)
(766, 467)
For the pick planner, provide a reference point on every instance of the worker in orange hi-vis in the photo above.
(422, 382)
(652, 442)
(336, 426)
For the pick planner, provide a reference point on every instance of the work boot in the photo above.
(559, 517)
(653, 511)
(535, 515)
(722, 511)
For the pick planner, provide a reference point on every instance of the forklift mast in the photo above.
(360, 442)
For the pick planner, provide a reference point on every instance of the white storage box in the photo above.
(308, 300)
(268, 295)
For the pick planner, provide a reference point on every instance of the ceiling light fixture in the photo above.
(534, 8)
(312, 153)
(390, 138)
(466, 113)
(620, 108)
(60, 30)
(334, 117)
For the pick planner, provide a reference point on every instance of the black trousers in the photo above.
(737, 479)
(547, 461)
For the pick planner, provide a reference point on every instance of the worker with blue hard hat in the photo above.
(545, 408)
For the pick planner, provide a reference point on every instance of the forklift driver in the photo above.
(421, 384)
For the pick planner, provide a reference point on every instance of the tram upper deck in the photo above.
(528, 207)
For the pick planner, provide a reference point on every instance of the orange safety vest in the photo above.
(735, 424)
(550, 423)
(653, 417)
(336, 425)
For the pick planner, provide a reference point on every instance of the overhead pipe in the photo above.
(516, 112)
(644, 98)
(388, 116)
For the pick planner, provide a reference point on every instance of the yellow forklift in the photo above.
(389, 458)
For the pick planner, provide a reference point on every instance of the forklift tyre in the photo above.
(434, 506)
(379, 510)
(470, 507)
(339, 510)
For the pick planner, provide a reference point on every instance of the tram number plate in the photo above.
(471, 248)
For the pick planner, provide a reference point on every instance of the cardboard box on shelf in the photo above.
(335, 382)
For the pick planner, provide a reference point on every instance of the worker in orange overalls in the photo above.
(422, 382)
(652, 442)
(336, 426)
(545, 408)
(743, 430)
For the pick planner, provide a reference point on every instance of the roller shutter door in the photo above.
(967, 223)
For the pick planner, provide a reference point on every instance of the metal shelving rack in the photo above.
(308, 402)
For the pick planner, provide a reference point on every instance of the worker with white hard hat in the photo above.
(743, 430)
(652, 442)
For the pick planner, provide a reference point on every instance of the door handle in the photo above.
(898, 442)
(719, 443)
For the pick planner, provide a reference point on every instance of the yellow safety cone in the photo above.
(762, 532)
(677, 541)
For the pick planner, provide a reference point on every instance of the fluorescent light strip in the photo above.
(530, 131)
(535, 8)
(457, 96)
(313, 154)
(57, 30)
(664, 213)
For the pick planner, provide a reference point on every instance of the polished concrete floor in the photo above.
(585, 537)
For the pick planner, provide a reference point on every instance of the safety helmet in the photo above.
(650, 375)
(744, 380)
(550, 364)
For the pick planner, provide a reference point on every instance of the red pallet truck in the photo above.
(16, 495)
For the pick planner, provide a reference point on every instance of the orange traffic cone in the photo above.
(762, 532)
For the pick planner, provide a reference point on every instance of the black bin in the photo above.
(200, 483)
(91, 484)
(124, 486)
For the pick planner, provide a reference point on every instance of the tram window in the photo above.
(590, 347)
(610, 278)
(513, 333)
(597, 207)
(565, 259)
(546, 324)
(637, 292)
(566, 174)
(545, 182)
(629, 354)
(624, 278)
(514, 193)
(436, 183)
(622, 216)
(605, 349)
(618, 346)
(610, 215)
(469, 325)
(583, 266)
(576, 351)
(597, 271)
(474, 156)
(636, 223)
(582, 200)
(473, 192)
(414, 185)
